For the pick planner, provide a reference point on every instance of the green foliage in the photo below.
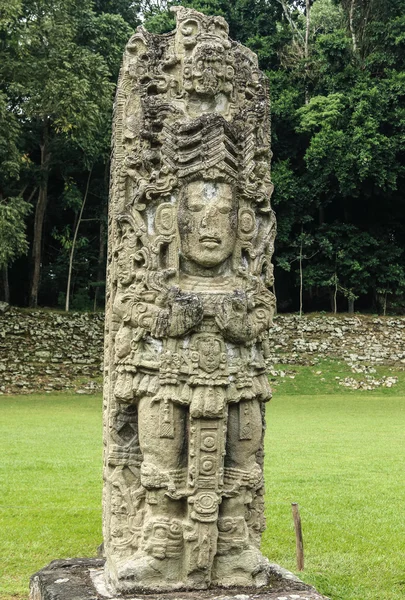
(10, 159)
(346, 260)
(59, 61)
(338, 122)
(338, 131)
(13, 240)
(57, 78)
(106, 35)
(81, 300)
(72, 197)
(326, 18)
(127, 10)
(322, 112)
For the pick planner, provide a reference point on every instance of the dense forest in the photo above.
(337, 86)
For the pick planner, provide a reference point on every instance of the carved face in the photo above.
(208, 69)
(207, 219)
(210, 354)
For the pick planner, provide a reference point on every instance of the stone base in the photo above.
(83, 579)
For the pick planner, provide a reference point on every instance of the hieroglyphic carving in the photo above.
(191, 239)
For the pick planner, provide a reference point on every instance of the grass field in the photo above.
(339, 453)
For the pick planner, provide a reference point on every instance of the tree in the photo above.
(73, 245)
(335, 70)
(304, 244)
(340, 154)
(389, 276)
(12, 235)
(13, 210)
(345, 263)
(61, 90)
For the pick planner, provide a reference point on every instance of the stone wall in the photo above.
(366, 339)
(48, 351)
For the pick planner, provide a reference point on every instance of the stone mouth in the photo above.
(210, 241)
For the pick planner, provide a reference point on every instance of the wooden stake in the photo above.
(299, 543)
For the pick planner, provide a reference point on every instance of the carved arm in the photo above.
(243, 319)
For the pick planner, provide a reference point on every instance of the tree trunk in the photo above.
(72, 250)
(101, 256)
(307, 14)
(306, 47)
(6, 286)
(40, 211)
(287, 13)
(351, 25)
(350, 302)
(335, 296)
(301, 278)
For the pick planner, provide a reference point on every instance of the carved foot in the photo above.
(245, 568)
(144, 572)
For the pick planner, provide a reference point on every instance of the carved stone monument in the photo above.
(188, 313)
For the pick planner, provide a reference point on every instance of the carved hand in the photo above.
(181, 313)
(233, 307)
(240, 320)
(150, 317)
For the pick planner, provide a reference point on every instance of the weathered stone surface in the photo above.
(46, 352)
(80, 579)
(364, 339)
(189, 309)
(4, 307)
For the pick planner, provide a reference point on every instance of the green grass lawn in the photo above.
(342, 459)
(339, 453)
(50, 483)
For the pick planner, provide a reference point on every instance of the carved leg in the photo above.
(238, 561)
(158, 564)
(164, 457)
(123, 492)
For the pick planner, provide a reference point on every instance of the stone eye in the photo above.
(195, 207)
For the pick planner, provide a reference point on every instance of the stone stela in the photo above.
(191, 236)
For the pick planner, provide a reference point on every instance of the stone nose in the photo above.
(209, 217)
